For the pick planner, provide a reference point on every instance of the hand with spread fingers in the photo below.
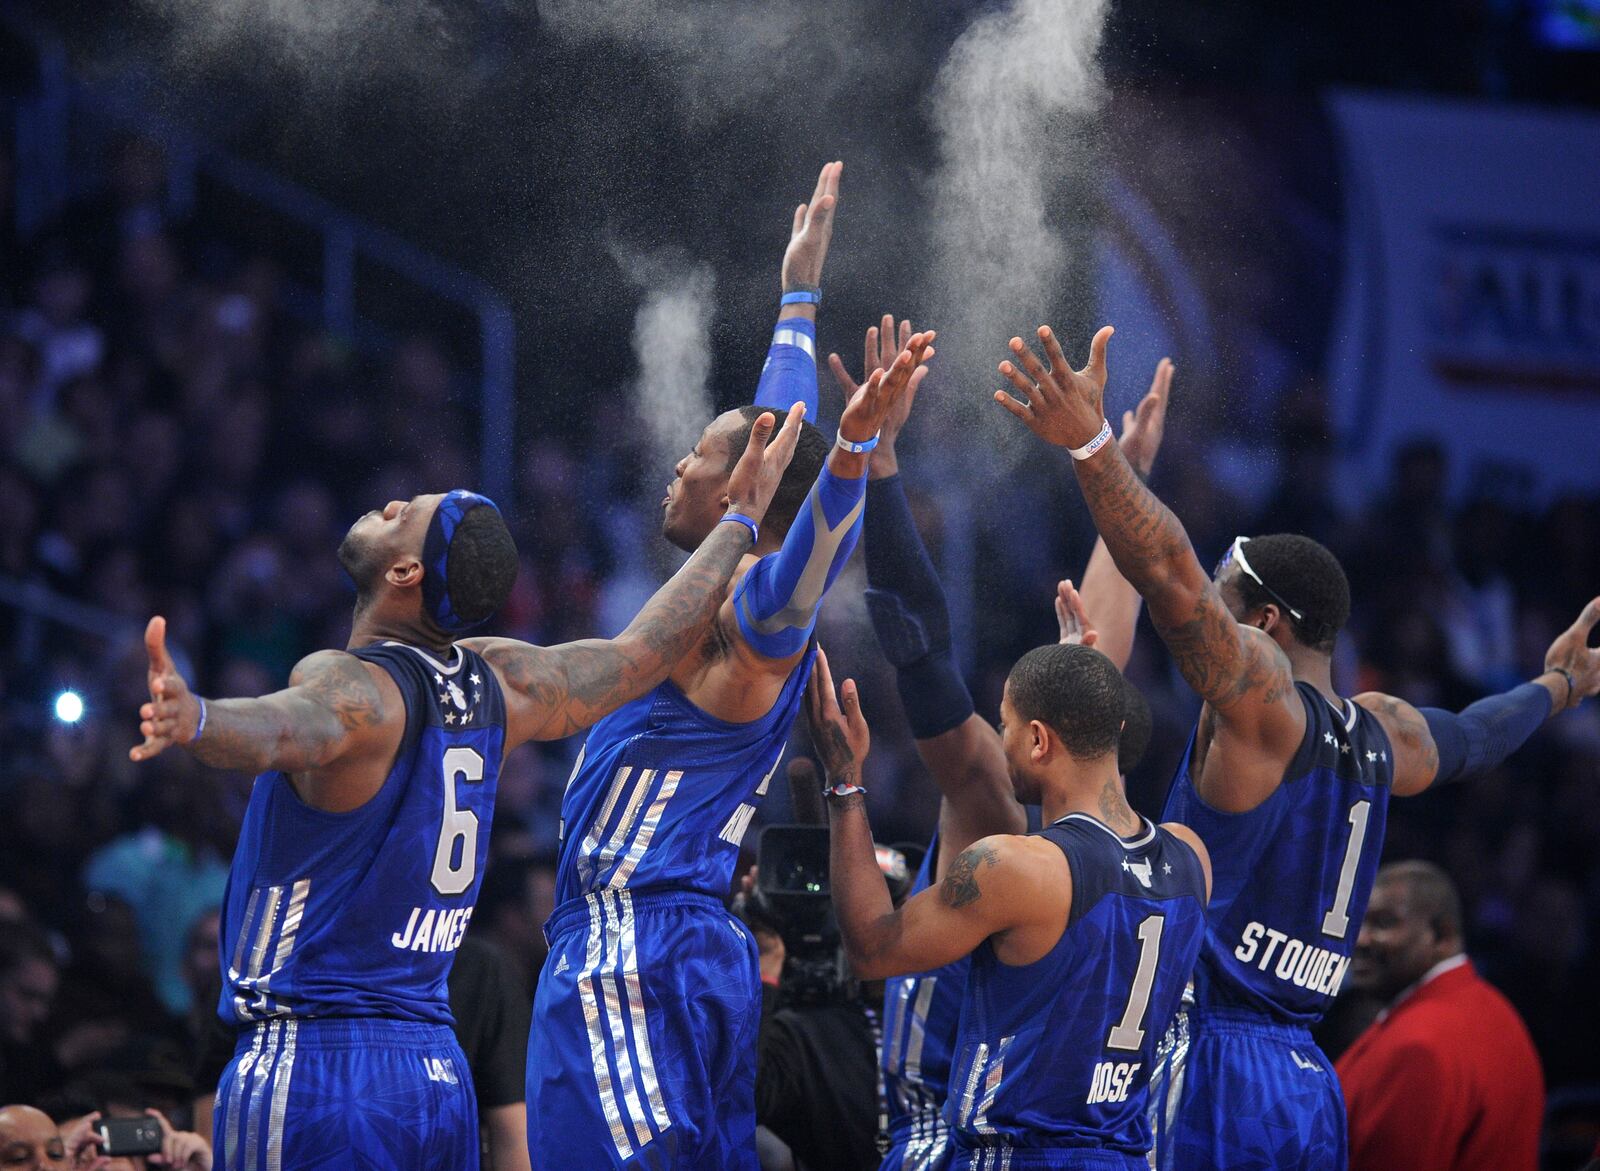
(1060, 405)
(755, 478)
(881, 349)
(839, 731)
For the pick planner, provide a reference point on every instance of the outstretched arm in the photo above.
(335, 706)
(912, 621)
(1238, 670)
(776, 603)
(1436, 747)
(1107, 595)
(790, 373)
(553, 692)
(935, 927)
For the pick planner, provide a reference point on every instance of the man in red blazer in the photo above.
(1447, 1076)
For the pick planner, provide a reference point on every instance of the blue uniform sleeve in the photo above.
(790, 373)
(1487, 732)
(777, 601)
(910, 615)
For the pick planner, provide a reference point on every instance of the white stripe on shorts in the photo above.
(611, 981)
(597, 1041)
(641, 1025)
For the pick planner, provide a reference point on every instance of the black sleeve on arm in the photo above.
(909, 614)
(1487, 732)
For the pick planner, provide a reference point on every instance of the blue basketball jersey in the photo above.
(920, 1017)
(358, 914)
(662, 793)
(1292, 876)
(1057, 1053)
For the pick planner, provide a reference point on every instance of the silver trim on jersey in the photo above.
(641, 840)
(286, 942)
(991, 1086)
(979, 1061)
(630, 816)
(461, 656)
(1144, 839)
(591, 840)
(918, 1026)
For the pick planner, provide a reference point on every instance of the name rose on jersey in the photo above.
(1292, 960)
(432, 930)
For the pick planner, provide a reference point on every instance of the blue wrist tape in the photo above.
(740, 518)
(1487, 732)
(801, 297)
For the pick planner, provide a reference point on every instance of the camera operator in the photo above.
(817, 1081)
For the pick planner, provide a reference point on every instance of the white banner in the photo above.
(1470, 309)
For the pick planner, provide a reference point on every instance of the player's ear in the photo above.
(1039, 741)
(405, 573)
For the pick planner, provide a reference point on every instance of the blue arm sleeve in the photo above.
(1487, 732)
(910, 615)
(777, 601)
(790, 373)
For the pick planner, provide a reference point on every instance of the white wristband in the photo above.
(1094, 444)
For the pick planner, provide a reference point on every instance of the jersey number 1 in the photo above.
(1337, 921)
(1130, 1033)
(458, 825)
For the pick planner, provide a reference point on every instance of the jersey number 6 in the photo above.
(460, 825)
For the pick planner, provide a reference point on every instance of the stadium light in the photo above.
(69, 707)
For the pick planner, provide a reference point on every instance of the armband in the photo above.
(856, 448)
(802, 295)
(1094, 444)
(740, 518)
(843, 790)
(201, 726)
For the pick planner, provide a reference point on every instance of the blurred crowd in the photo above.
(173, 441)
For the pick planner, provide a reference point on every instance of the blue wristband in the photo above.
(856, 448)
(742, 519)
(802, 296)
(200, 728)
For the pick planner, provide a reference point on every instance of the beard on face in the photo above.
(360, 559)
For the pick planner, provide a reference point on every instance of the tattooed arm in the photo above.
(939, 924)
(1238, 670)
(552, 692)
(335, 708)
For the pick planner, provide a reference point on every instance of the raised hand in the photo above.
(871, 403)
(173, 714)
(760, 469)
(1072, 617)
(812, 230)
(1143, 428)
(881, 349)
(839, 731)
(1063, 406)
(1571, 652)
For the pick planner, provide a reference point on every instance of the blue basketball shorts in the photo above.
(373, 1095)
(1235, 1091)
(643, 1048)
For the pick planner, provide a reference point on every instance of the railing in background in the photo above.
(53, 121)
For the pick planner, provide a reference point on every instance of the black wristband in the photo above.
(1571, 686)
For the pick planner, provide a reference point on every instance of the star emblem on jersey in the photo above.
(1345, 748)
(1328, 736)
(1166, 868)
(1371, 756)
(1140, 870)
(438, 678)
(449, 717)
(475, 680)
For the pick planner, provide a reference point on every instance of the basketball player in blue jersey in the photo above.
(643, 1051)
(1081, 936)
(1287, 781)
(367, 831)
(960, 749)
